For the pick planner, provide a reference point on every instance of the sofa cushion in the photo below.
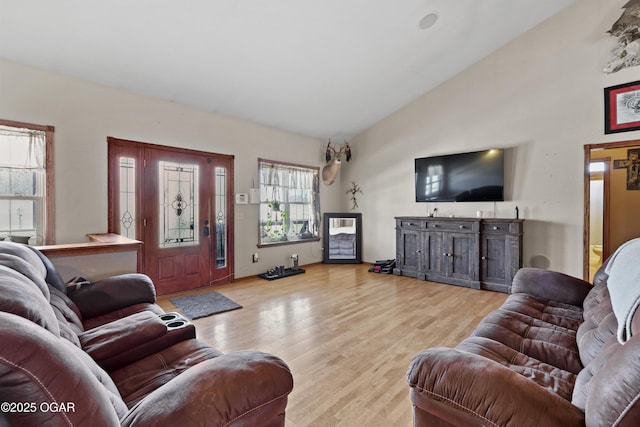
(458, 388)
(560, 314)
(593, 336)
(538, 328)
(613, 394)
(599, 322)
(22, 297)
(244, 388)
(25, 253)
(52, 277)
(582, 386)
(68, 319)
(140, 378)
(545, 375)
(598, 295)
(30, 271)
(542, 341)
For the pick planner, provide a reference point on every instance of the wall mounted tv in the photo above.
(465, 177)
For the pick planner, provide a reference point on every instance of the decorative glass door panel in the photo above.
(177, 214)
(179, 205)
(222, 214)
(221, 217)
(127, 193)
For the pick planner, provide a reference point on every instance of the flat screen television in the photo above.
(465, 177)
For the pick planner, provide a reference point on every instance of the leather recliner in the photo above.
(104, 354)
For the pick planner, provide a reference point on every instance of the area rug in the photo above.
(202, 305)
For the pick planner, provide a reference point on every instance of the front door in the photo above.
(181, 210)
(178, 220)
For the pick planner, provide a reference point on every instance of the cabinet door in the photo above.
(408, 248)
(433, 253)
(500, 253)
(460, 256)
(493, 254)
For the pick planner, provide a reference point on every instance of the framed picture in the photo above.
(622, 108)
(632, 165)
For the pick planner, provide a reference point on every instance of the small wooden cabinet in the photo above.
(477, 253)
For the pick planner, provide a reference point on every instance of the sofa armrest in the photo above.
(111, 294)
(114, 338)
(551, 285)
(125, 340)
(243, 388)
(465, 389)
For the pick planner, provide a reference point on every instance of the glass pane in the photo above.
(19, 218)
(221, 217)
(127, 212)
(178, 204)
(342, 238)
(21, 182)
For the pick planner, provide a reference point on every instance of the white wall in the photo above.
(541, 96)
(84, 114)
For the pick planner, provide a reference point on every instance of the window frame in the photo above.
(287, 204)
(49, 169)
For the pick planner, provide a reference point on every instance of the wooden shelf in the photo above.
(99, 243)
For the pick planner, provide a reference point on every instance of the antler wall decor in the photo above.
(334, 161)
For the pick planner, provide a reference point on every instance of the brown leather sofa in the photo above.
(104, 354)
(550, 356)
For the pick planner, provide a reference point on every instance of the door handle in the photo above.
(205, 230)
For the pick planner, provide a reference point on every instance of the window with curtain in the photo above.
(26, 171)
(289, 203)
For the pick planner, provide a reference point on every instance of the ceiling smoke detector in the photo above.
(428, 21)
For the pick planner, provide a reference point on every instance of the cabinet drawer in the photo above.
(459, 226)
(411, 223)
(502, 227)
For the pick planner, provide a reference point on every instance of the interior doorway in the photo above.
(178, 202)
(609, 202)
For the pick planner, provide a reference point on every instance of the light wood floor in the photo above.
(348, 336)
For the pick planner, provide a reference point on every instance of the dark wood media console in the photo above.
(472, 252)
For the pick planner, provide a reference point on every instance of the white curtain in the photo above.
(26, 148)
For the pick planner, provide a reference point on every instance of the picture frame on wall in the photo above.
(622, 108)
(632, 165)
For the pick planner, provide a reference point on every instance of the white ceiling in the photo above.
(322, 68)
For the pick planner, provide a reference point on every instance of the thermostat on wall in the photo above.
(242, 198)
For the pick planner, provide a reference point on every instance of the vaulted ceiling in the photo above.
(322, 68)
